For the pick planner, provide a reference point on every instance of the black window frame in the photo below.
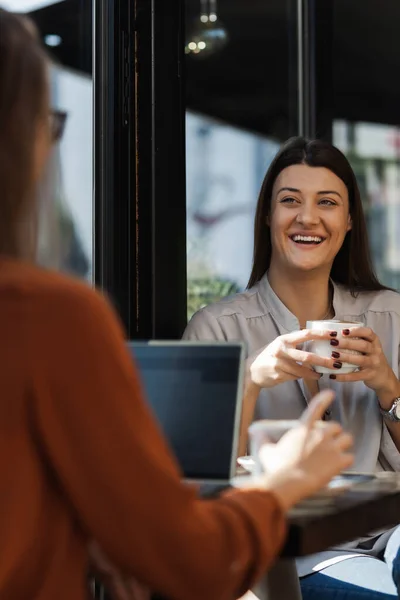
(139, 158)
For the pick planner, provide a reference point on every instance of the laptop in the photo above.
(195, 390)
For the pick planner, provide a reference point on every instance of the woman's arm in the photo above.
(250, 397)
(385, 399)
(114, 467)
(373, 369)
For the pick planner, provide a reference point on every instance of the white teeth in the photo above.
(306, 238)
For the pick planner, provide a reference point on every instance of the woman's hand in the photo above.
(282, 361)
(308, 456)
(373, 368)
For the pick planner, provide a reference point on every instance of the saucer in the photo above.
(247, 462)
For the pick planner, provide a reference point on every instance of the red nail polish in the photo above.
(332, 376)
(346, 331)
(337, 365)
(334, 343)
(335, 354)
(333, 333)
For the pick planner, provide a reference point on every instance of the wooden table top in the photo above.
(350, 515)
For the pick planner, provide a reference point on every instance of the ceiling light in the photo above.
(52, 40)
(27, 5)
(209, 35)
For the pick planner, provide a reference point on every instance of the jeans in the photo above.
(392, 558)
(358, 578)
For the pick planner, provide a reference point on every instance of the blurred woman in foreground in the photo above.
(81, 457)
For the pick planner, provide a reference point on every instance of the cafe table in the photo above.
(319, 524)
(316, 526)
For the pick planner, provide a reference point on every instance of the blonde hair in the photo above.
(23, 105)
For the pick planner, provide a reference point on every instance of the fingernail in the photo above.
(334, 343)
(337, 365)
(335, 354)
(333, 333)
(346, 331)
(332, 376)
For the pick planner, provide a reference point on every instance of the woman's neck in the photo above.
(306, 295)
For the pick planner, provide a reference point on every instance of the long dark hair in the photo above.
(23, 108)
(352, 265)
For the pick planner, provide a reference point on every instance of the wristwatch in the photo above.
(393, 414)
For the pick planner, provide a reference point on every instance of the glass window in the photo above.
(367, 118)
(238, 113)
(66, 29)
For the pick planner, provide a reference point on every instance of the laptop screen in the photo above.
(195, 392)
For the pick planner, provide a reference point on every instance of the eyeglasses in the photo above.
(57, 124)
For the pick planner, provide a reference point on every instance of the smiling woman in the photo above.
(307, 219)
(316, 173)
(312, 262)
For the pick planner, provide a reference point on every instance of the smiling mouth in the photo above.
(308, 240)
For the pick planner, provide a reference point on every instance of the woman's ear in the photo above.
(349, 223)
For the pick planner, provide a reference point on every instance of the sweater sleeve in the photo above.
(119, 476)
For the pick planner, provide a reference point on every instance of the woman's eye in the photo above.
(288, 200)
(327, 202)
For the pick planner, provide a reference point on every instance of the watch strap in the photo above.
(390, 414)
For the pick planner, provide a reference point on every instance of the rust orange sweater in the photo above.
(81, 457)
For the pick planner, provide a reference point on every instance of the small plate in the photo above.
(335, 487)
(247, 462)
(345, 481)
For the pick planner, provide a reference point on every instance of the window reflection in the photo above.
(66, 217)
(72, 92)
(374, 153)
(237, 115)
(225, 167)
(367, 124)
(60, 243)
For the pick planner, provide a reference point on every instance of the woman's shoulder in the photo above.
(383, 301)
(376, 301)
(218, 320)
(246, 303)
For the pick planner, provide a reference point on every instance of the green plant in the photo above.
(202, 291)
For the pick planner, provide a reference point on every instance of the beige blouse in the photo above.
(257, 316)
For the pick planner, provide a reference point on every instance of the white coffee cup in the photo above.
(324, 347)
(269, 431)
(266, 431)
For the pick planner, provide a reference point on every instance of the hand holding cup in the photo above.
(285, 359)
(306, 457)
